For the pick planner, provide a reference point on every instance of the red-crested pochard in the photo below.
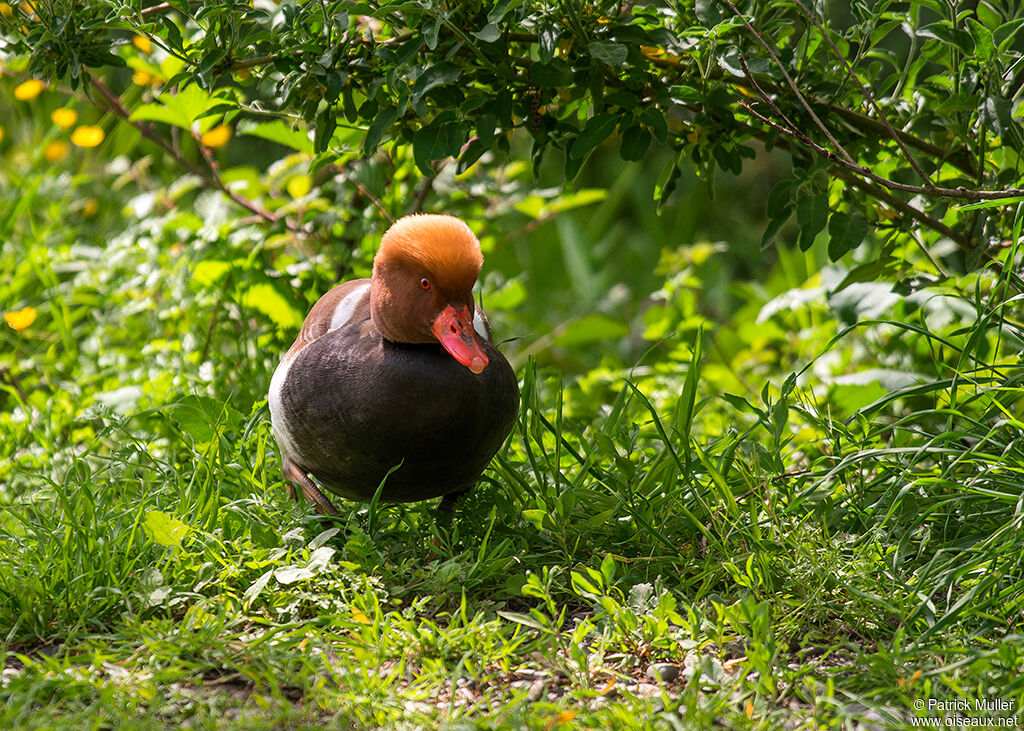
(396, 372)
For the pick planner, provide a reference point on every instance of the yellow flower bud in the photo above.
(87, 136)
(216, 137)
(64, 117)
(26, 91)
(20, 319)
(56, 150)
(143, 44)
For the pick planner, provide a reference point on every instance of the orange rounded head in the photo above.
(422, 285)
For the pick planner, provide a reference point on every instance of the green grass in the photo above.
(716, 529)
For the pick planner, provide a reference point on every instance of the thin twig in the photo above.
(377, 202)
(867, 94)
(789, 81)
(876, 191)
(421, 194)
(931, 190)
(210, 175)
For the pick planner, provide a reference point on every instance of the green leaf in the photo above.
(654, 119)
(608, 568)
(779, 200)
(552, 74)
(591, 328)
(164, 529)
(380, 124)
(708, 13)
(609, 52)
(209, 271)
(180, 110)
(266, 299)
(436, 142)
(845, 232)
(993, 203)
(773, 228)
(984, 45)
(278, 131)
(501, 8)
(436, 75)
(489, 33)
(594, 133)
(635, 142)
(197, 416)
(256, 588)
(811, 217)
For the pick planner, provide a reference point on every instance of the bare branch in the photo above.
(789, 81)
(867, 94)
(211, 175)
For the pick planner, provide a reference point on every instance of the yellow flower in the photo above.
(1, 133)
(142, 78)
(64, 117)
(21, 319)
(56, 150)
(90, 208)
(143, 44)
(6, 10)
(87, 136)
(26, 91)
(216, 137)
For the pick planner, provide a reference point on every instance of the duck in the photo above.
(394, 382)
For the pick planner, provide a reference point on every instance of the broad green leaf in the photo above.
(380, 124)
(164, 529)
(198, 416)
(811, 217)
(263, 297)
(510, 296)
(209, 271)
(278, 131)
(984, 46)
(635, 142)
(501, 8)
(437, 75)
(183, 109)
(609, 52)
(779, 200)
(256, 588)
(552, 74)
(595, 131)
(299, 185)
(590, 329)
(436, 142)
(489, 33)
(845, 232)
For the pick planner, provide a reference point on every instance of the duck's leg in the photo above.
(296, 476)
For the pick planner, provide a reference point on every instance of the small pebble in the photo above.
(647, 689)
(531, 674)
(663, 671)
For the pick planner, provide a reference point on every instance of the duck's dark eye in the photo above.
(425, 283)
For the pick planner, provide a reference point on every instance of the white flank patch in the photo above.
(278, 422)
(343, 312)
(478, 323)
